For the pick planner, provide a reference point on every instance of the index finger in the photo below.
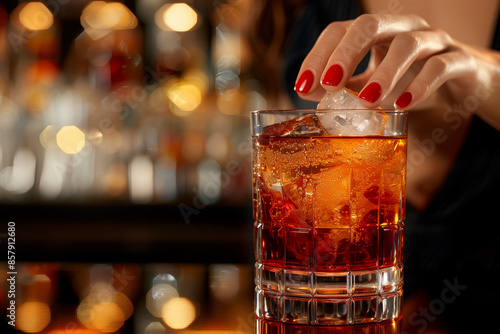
(308, 81)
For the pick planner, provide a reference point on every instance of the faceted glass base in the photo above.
(328, 298)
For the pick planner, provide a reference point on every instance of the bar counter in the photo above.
(115, 268)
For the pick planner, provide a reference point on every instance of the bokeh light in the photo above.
(198, 78)
(33, 316)
(48, 136)
(104, 309)
(158, 296)
(107, 317)
(103, 15)
(99, 18)
(20, 177)
(141, 179)
(179, 17)
(184, 97)
(35, 16)
(178, 313)
(70, 139)
(124, 303)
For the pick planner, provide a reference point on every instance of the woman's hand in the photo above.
(409, 62)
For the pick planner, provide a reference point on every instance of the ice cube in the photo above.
(298, 200)
(307, 125)
(332, 196)
(353, 122)
(344, 99)
(348, 121)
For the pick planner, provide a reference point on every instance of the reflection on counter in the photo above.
(138, 107)
(126, 298)
(161, 298)
(392, 326)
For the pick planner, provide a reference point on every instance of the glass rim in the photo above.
(395, 124)
(313, 111)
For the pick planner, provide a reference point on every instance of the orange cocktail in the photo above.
(329, 210)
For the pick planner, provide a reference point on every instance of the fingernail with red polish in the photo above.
(305, 82)
(371, 93)
(333, 76)
(404, 100)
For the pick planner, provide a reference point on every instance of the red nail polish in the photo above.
(333, 76)
(305, 82)
(404, 100)
(371, 93)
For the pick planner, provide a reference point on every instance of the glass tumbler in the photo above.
(329, 194)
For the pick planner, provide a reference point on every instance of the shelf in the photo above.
(131, 233)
